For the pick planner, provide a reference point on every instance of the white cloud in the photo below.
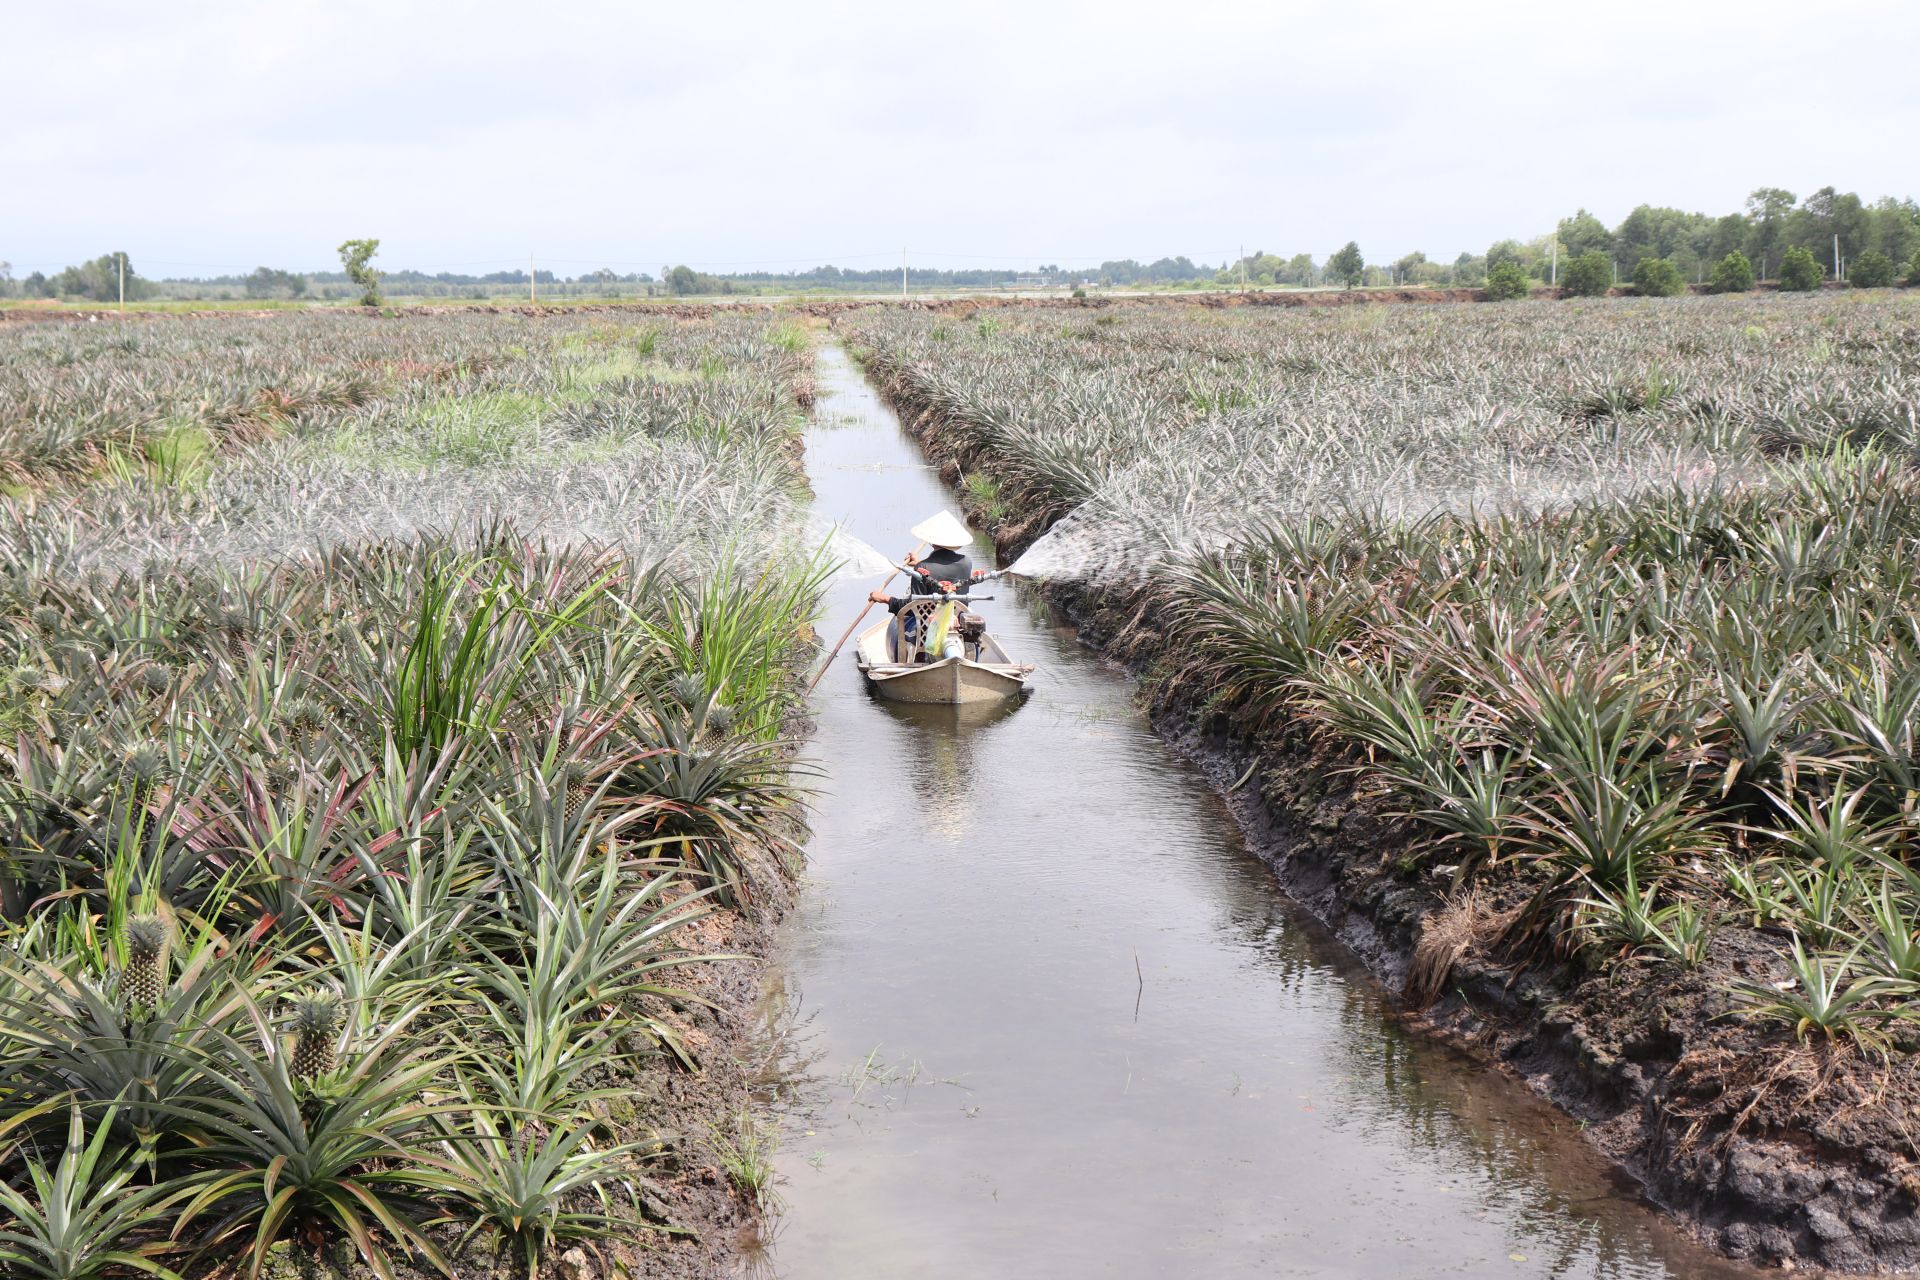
(225, 134)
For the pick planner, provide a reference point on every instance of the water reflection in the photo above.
(939, 748)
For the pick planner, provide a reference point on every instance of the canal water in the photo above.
(1060, 1023)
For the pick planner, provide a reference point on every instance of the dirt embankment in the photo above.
(1775, 1153)
(824, 308)
(827, 308)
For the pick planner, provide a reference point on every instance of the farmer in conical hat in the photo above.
(945, 569)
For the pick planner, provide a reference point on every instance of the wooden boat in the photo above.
(983, 672)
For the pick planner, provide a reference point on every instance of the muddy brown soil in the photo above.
(1772, 1152)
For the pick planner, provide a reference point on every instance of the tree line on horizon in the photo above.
(1780, 237)
(1774, 236)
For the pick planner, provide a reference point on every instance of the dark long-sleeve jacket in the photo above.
(940, 565)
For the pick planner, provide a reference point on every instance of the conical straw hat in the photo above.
(943, 530)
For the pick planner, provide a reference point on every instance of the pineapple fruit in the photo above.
(316, 1027)
(146, 975)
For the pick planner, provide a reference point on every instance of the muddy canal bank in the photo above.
(1058, 1019)
(1792, 1157)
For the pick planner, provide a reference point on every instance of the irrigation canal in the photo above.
(1064, 1024)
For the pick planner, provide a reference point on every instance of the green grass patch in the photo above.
(788, 336)
(986, 494)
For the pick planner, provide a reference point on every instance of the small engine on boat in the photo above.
(972, 628)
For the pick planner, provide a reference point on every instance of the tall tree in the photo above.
(1827, 218)
(1584, 233)
(99, 280)
(356, 258)
(1348, 266)
(1507, 251)
(1767, 211)
(1729, 234)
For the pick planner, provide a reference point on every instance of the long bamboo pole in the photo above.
(838, 645)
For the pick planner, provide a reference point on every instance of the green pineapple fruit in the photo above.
(146, 767)
(146, 975)
(316, 1025)
(688, 690)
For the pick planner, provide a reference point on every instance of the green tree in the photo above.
(1732, 274)
(1893, 228)
(266, 282)
(1655, 232)
(1826, 217)
(356, 257)
(1588, 276)
(1506, 251)
(1508, 280)
(1729, 236)
(99, 280)
(1584, 233)
(1347, 265)
(1799, 273)
(1913, 268)
(1657, 278)
(1871, 270)
(1767, 212)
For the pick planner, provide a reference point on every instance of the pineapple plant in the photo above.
(304, 718)
(718, 722)
(145, 978)
(146, 768)
(576, 788)
(316, 1028)
(234, 625)
(688, 690)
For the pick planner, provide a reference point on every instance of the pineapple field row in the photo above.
(395, 714)
(1562, 656)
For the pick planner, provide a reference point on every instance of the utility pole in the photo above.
(533, 281)
(1243, 268)
(1836, 258)
(903, 273)
(1554, 278)
(123, 280)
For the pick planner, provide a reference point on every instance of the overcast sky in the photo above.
(212, 137)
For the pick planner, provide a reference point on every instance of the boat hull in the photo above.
(955, 681)
(952, 681)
